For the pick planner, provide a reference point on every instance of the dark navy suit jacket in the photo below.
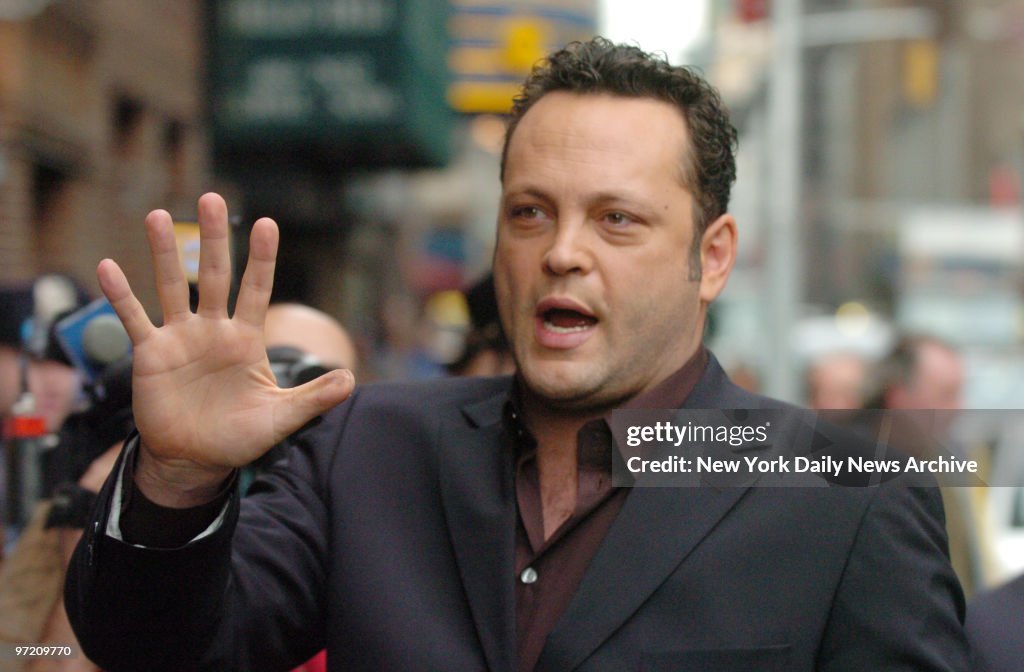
(995, 628)
(389, 540)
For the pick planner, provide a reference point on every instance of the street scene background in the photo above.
(880, 166)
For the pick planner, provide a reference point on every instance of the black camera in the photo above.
(293, 367)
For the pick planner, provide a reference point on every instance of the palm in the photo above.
(203, 393)
(211, 371)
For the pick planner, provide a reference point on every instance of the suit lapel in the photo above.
(477, 489)
(654, 532)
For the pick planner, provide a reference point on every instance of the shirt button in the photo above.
(528, 576)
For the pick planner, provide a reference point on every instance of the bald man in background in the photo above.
(837, 380)
(312, 331)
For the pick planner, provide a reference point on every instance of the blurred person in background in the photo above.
(919, 372)
(38, 381)
(924, 376)
(485, 351)
(90, 441)
(472, 523)
(31, 359)
(311, 331)
(746, 376)
(55, 630)
(10, 390)
(403, 350)
(12, 314)
(837, 380)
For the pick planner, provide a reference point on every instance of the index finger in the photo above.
(117, 290)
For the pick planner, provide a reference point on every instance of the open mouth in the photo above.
(562, 323)
(566, 320)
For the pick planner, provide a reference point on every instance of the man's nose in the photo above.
(570, 250)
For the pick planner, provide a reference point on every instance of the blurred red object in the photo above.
(317, 663)
(749, 11)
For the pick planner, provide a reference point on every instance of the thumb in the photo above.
(305, 402)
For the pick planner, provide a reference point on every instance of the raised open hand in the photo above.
(204, 398)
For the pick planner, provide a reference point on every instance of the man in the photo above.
(920, 372)
(36, 380)
(924, 373)
(836, 381)
(469, 524)
(313, 332)
(34, 362)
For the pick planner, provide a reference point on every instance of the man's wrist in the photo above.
(137, 520)
(180, 483)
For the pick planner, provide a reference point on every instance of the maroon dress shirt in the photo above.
(548, 571)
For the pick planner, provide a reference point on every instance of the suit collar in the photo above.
(488, 411)
(715, 390)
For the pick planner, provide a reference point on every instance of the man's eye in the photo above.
(526, 212)
(618, 219)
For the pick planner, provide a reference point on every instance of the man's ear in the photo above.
(717, 256)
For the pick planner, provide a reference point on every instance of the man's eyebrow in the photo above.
(639, 204)
(605, 196)
(536, 192)
(596, 197)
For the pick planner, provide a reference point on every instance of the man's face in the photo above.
(838, 382)
(591, 267)
(55, 388)
(937, 381)
(10, 378)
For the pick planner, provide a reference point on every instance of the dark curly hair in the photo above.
(600, 66)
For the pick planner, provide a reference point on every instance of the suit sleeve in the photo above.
(994, 628)
(249, 596)
(899, 605)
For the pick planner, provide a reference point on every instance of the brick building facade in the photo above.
(101, 120)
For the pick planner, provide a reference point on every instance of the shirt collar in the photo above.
(670, 393)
